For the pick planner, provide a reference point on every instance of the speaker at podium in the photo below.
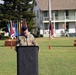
(27, 60)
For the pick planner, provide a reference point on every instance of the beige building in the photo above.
(63, 18)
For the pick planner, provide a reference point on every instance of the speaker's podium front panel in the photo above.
(27, 60)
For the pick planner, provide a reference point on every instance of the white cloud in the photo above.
(1, 2)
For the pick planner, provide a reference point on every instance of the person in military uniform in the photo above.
(27, 39)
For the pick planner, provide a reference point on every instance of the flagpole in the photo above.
(49, 9)
(11, 43)
(11, 31)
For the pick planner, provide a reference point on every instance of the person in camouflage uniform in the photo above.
(27, 39)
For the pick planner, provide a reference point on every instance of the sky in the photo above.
(1, 1)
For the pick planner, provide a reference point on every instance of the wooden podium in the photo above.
(27, 60)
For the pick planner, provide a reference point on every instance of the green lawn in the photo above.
(59, 60)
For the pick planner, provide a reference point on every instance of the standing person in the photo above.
(27, 39)
(27, 58)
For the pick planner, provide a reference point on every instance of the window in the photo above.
(56, 26)
(45, 26)
(45, 14)
(67, 26)
(66, 13)
(56, 13)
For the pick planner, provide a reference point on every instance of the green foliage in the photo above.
(17, 10)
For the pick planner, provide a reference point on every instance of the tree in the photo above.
(17, 10)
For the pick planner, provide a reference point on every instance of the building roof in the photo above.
(57, 4)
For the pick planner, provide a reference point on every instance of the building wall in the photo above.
(61, 19)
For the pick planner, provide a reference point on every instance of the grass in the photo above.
(59, 60)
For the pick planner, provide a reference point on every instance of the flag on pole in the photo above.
(50, 23)
(16, 28)
(12, 32)
(17, 23)
(25, 24)
(8, 25)
(51, 31)
(19, 29)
